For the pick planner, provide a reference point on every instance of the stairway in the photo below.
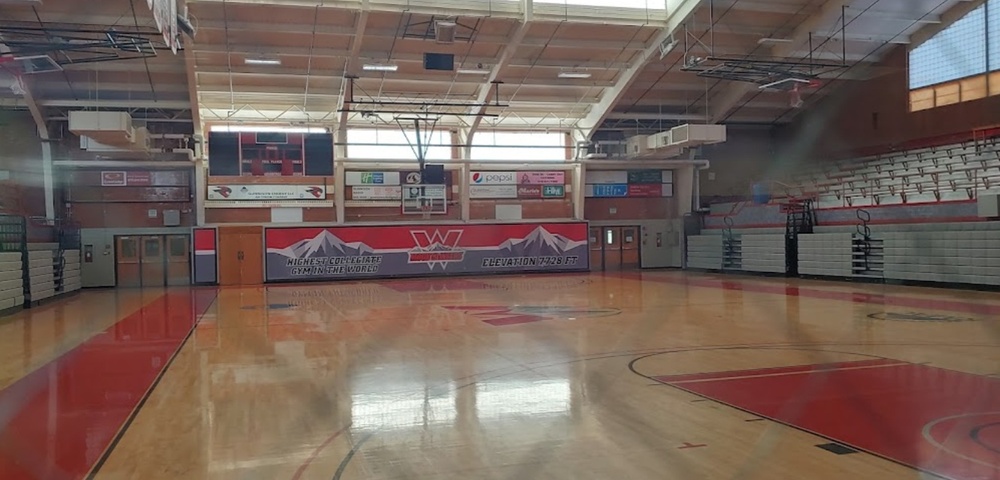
(799, 218)
(867, 253)
(732, 247)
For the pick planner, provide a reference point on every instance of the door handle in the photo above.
(240, 255)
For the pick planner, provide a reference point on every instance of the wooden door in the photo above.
(596, 250)
(153, 261)
(178, 257)
(241, 256)
(630, 248)
(252, 259)
(612, 249)
(127, 270)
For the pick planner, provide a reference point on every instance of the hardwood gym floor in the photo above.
(661, 375)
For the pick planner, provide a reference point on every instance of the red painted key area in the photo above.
(941, 421)
(56, 422)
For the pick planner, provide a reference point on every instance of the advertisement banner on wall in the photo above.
(606, 177)
(606, 191)
(266, 192)
(493, 178)
(306, 253)
(493, 191)
(645, 190)
(121, 178)
(376, 192)
(645, 176)
(541, 191)
(371, 178)
(541, 178)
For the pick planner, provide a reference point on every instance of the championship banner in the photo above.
(310, 253)
(266, 192)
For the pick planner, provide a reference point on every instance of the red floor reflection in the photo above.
(940, 421)
(57, 422)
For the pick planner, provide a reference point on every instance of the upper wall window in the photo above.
(958, 51)
(960, 63)
(395, 144)
(993, 20)
(643, 4)
(500, 145)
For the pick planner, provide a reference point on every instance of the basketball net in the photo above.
(796, 97)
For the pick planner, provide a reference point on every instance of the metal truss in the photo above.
(427, 29)
(69, 46)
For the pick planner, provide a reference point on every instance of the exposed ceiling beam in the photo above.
(118, 104)
(894, 16)
(724, 103)
(679, 11)
(488, 90)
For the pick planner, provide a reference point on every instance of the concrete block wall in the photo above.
(763, 253)
(969, 257)
(704, 252)
(826, 254)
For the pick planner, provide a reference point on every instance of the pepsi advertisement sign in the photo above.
(493, 178)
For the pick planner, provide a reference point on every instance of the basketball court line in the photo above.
(91, 394)
(787, 373)
(854, 297)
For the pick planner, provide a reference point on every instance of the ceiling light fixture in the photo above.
(773, 40)
(262, 61)
(473, 71)
(574, 75)
(379, 67)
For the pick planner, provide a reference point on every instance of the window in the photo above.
(955, 65)
(393, 144)
(641, 4)
(535, 146)
(993, 22)
(958, 51)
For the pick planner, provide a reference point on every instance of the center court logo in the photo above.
(435, 249)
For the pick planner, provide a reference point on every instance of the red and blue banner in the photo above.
(206, 259)
(329, 253)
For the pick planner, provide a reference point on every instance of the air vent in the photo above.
(444, 31)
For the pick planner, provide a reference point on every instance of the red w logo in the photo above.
(436, 249)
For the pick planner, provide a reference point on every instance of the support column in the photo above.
(200, 190)
(339, 163)
(579, 171)
(463, 192)
(48, 176)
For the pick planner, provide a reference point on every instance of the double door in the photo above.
(614, 248)
(152, 260)
(241, 256)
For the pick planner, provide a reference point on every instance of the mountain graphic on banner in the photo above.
(540, 242)
(325, 244)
